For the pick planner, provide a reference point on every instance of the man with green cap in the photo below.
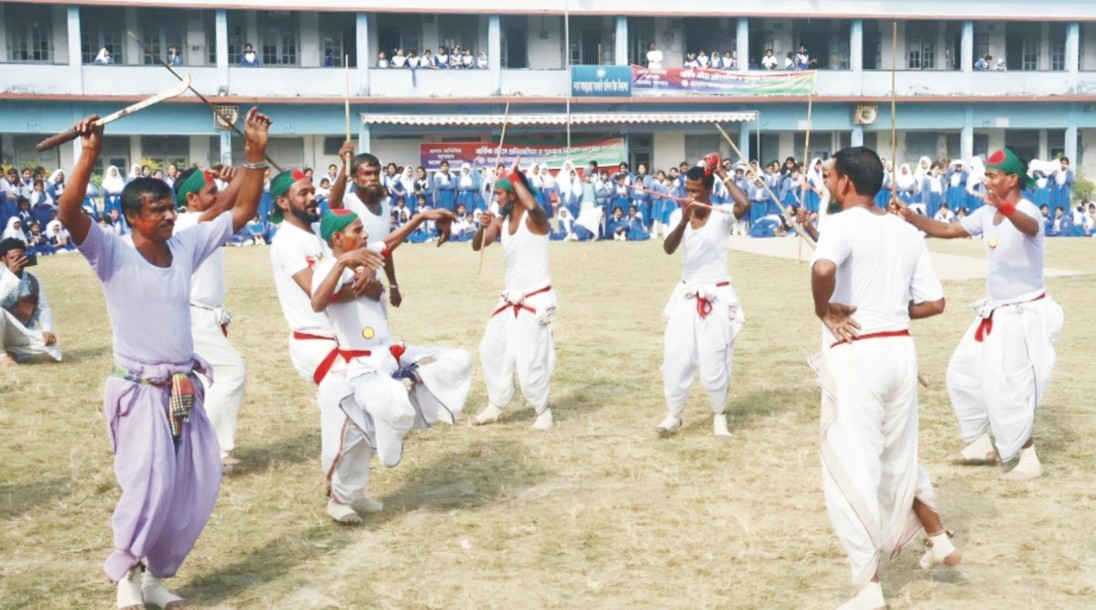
(313, 349)
(1003, 364)
(196, 191)
(518, 338)
(389, 386)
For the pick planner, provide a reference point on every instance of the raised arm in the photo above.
(226, 199)
(256, 128)
(70, 204)
(673, 240)
(397, 237)
(741, 200)
(338, 190)
(525, 198)
(490, 227)
(933, 228)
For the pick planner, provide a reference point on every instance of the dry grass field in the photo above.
(597, 513)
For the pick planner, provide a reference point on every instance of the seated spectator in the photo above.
(249, 59)
(730, 61)
(1089, 221)
(26, 323)
(769, 62)
(15, 230)
(38, 243)
(441, 60)
(413, 60)
(454, 57)
(467, 61)
(174, 56)
(617, 226)
(105, 57)
(399, 60)
(55, 185)
(986, 63)
(382, 60)
(944, 214)
(636, 229)
(691, 61)
(117, 222)
(1063, 223)
(256, 230)
(588, 225)
(39, 198)
(401, 213)
(427, 61)
(59, 237)
(702, 60)
(1000, 66)
(462, 228)
(481, 61)
(789, 61)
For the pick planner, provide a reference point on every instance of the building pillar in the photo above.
(856, 50)
(1073, 46)
(361, 52)
(75, 60)
(856, 138)
(744, 138)
(620, 50)
(966, 136)
(966, 48)
(134, 55)
(226, 147)
(365, 136)
(494, 52)
(1071, 144)
(220, 31)
(742, 44)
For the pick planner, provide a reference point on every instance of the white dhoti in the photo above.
(22, 341)
(868, 447)
(518, 340)
(1001, 369)
(703, 321)
(225, 395)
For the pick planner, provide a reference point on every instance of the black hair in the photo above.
(12, 243)
(697, 173)
(144, 188)
(182, 177)
(366, 159)
(862, 166)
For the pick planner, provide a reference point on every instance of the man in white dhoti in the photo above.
(703, 314)
(390, 386)
(518, 337)
(870, 276)
(1002, 366)
(196, 190)
(26, 321)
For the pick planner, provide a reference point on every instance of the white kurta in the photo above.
(1002, 366)
(868, 440)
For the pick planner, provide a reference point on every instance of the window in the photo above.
(237, 36)
(591, 43)
(102, 28)
(641, 33)
(288, 151)
(278, 35)
(161, 29)
(873, 45)
(26, 153)
(1058, 46)
(166, 149)
(921, 144)
(981, 46)
(1030, 60)
(515, 46)
(696, 146)
(30, 32)
(338, 39)
(920, 46)
(331, 145)
(115, 152)
(458, 30)
(396, 32)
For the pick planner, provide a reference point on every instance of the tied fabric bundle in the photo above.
(180, 403)
(711, 161)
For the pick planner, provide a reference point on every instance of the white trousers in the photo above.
(693, 341)
(997, 383)
(337, 435)
(521, 344)
(22, 341)
(868, 447)
(226, 392)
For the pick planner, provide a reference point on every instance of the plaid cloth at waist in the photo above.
(179, 403)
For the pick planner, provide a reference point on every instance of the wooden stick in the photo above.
(346, 71)
(671, 197)
(894, 114)
(794, 222)
(806, 160)
(498, 159)
(224, 119)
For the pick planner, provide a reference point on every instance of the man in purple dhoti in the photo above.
(167, 460)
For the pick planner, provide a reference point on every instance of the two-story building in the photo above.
(1038, 95)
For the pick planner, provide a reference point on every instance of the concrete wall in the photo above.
(545, 53)
(668, 150)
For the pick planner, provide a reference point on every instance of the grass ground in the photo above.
(596, 513)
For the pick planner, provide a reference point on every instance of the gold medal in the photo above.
(368, 332)
(993, 242)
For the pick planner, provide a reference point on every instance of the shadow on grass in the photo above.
(295, 450)
(741, 410)
(465, 478)
(18, 498)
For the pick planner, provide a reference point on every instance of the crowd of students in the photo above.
(444, 59)
(584, 204)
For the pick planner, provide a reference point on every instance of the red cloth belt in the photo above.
(306, 336)
(985, 327)
(520, 306)
(396, 349)
(878, 335)
(704, 306)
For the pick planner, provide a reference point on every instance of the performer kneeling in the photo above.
(392, 387)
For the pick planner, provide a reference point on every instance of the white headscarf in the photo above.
(904, 180)
(134, 172)
(103, 56)
(12, 231)
(113, 183)
(977, 173)
(923, 166)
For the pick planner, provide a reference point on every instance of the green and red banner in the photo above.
(707, 81)
(482, 154)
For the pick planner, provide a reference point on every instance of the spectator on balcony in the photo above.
(730, 61)
(1000, 66)
(986, 63)
(789, 61)
(654, 57)
(427, 61)
(454, 57)
(481, 61)
(690, 61)
(105, 57)
(399, 60)
(803, 59)
(702, 60)
(769, 62)
(467, 61)
(413, 60)
(174, 56)
(249, 59)
(328, 60)
(382, 60)
(441, 59)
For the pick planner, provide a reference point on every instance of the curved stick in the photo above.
(498, 159)
(224, 119)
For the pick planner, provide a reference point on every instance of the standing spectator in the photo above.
(382, 60)
(105, 57)
(654, 57)
(174, 56)
(803, 60)
(769, 61)
(445, 187)
(249, 59)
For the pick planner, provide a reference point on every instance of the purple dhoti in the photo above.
(169, 487)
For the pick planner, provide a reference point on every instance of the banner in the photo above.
(601, 81)
(708, 81)
(482, 154)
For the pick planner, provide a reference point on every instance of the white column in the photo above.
(134, 55)
(857, 136)
(966, 51)
(1073, 46)
(966, 136)
(494, 51)
(742, 44)
(744, 138)
(361, 52)
(1071, 143)
(226, 147)
(856, 50)
(220, 27)
(75, 61)
(621, 47)
(365, 137)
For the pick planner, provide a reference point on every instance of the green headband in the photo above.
(335, 221)
(1004, 160)
(505, 185)
(279, 186)
(194, 183)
